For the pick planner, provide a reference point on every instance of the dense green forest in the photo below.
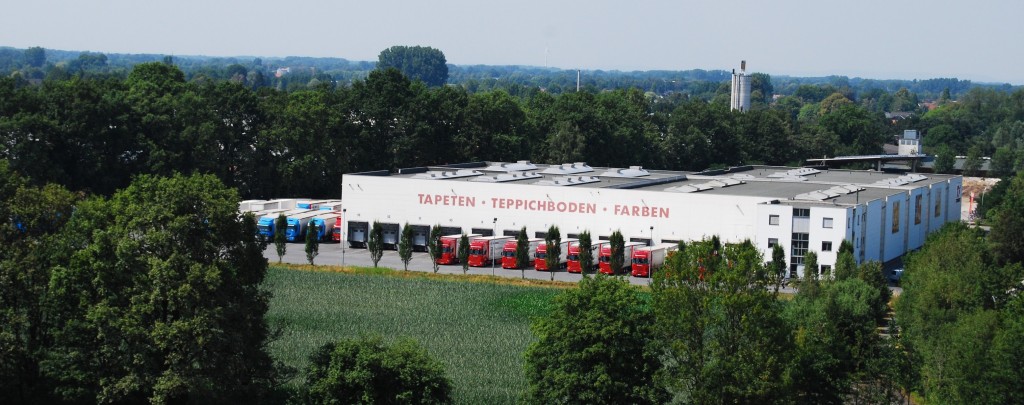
(92, 125)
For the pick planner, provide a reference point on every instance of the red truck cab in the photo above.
(604, 261)
(508, 255)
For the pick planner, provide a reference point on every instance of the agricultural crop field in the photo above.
(479, 330)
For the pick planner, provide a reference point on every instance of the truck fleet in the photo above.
(328, 217)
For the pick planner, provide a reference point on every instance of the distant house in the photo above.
(281, 71)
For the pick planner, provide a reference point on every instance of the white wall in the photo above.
(873, 236)
(783, 231)
(819, 234)
(674, 216)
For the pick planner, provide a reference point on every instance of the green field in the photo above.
(479, 330)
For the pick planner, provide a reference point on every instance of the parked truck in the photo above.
(450, 248)
(572, 263)
(332, 205)
(268, 220)
(326, 224)
(508, 253)
(540, 257)
(605, 261)
(297, 225)
(484, 250)
(648, 259)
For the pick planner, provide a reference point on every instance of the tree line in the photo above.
(96, 133)
(713, 328)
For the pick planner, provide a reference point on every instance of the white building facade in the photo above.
(883, 215)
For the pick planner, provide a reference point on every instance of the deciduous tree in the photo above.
(553, 250)
(405, 246)
(160, 298)
(375, 242)
(312, 243)
(434, 248)
(596, 346)
(367, 371)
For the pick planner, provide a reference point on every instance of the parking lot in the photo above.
(333, 254)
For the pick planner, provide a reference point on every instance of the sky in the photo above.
(979, 40)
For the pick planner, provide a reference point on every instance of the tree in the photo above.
(618, 246)
(522, 252)
(312, 243)
(721, 326)
(31, 219)
(405, 246)
(417, 63)
(972, 164)
(434, 248)
(375, 243)
(846, 265)
(160, 298)
(809, 284)
(463, 252)
(1007, 235)
(34, 57)
(553, 250)
(944, 160)
(777, 270)
(595, 346)
(367, 371)
(954, 296)
(280, 238)
(586, 255)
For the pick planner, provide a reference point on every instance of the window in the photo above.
(801, 212)
(938, 202)
(917, 210)
(772, 242)
(800, 245)
(826, 246)
(773, 220)
(826, 223)
(826, 269)
(895, 216)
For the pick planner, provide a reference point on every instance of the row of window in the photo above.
(825, 222)
(826, 246)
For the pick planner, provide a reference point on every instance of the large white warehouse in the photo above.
(883, 215)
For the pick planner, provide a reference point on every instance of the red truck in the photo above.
(540, 257)
(647, 259)
(508, 253)
(485, 249)
(572, 263)
(605, 260)
(450, 248)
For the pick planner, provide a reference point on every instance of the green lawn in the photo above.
(478, 330)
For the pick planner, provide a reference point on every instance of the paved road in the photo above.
(331, 254)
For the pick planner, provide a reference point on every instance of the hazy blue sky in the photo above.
(980, 40)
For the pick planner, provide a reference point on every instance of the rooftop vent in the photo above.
(506, 177)
(803, 171)
(900, 181)
(519, 166)
(632, 171)
(713, 184)
(445, 174)
(569, 168)
(568, 181)
(833, 192)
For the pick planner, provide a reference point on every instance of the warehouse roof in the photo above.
(791, 185)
